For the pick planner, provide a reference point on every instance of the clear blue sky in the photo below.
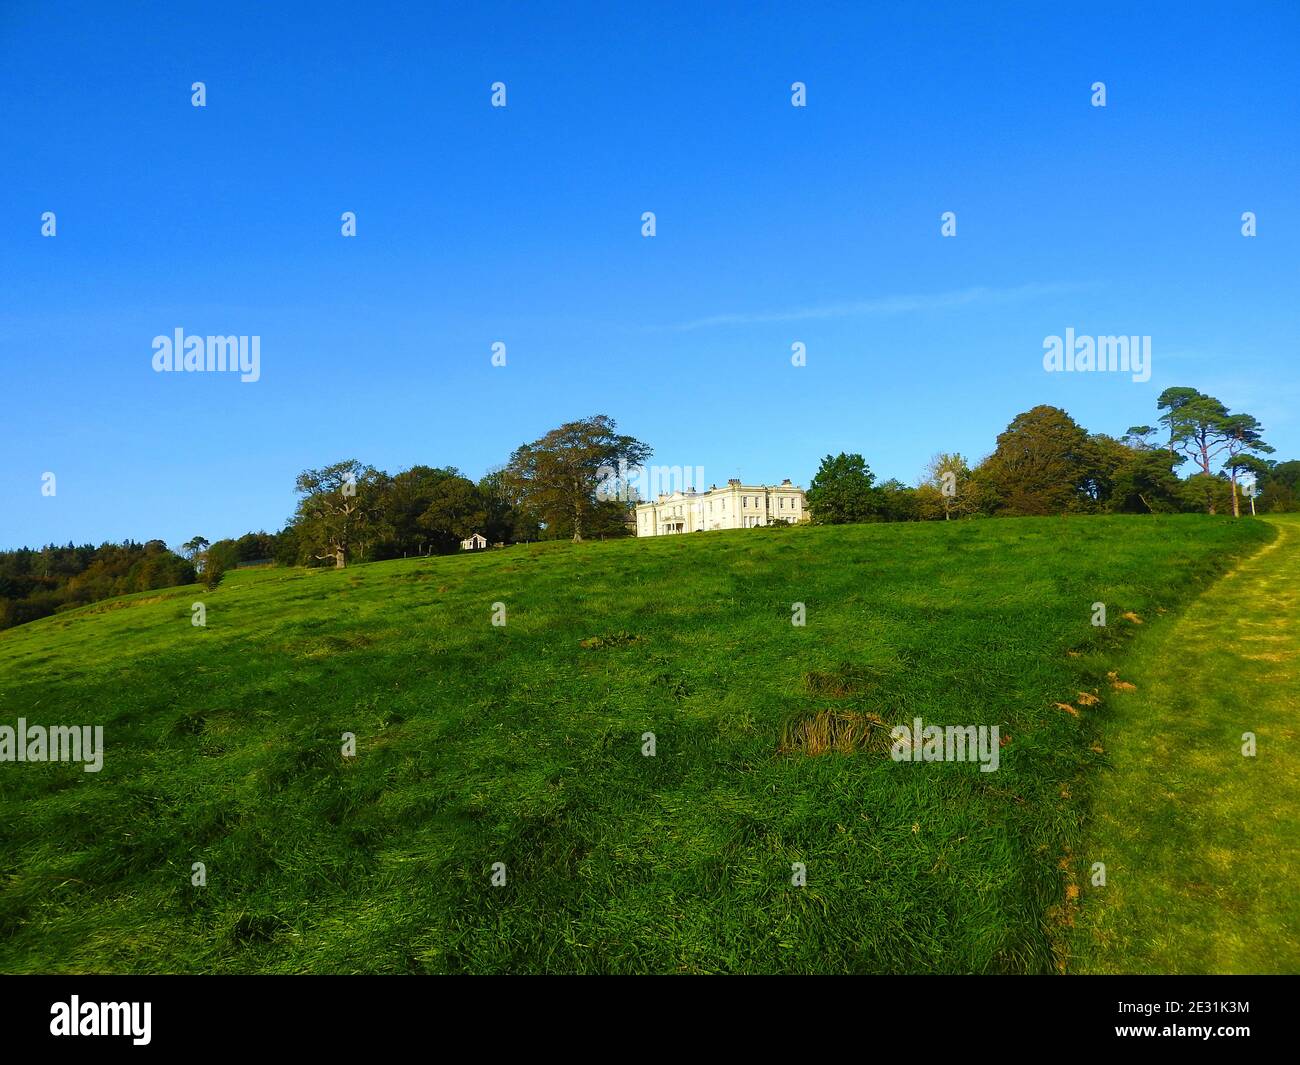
(475, 224)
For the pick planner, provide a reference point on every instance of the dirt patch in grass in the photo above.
(254, 928)
(610, 639)
(327, 646)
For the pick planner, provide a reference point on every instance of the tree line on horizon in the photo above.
(37, 583)
(550, 489)
(351, 512)
(559, 487)
(1045, 463)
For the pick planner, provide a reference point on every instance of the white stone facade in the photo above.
(734, 506)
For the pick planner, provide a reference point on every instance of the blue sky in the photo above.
(477, 224)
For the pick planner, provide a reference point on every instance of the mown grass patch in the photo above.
(1188, 865)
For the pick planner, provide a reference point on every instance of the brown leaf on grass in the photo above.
(1071, 654)
(1130, 616)
(1067, 708)
(1097, 748)
(1072, 891)
(1088, 699)
(1119, 685)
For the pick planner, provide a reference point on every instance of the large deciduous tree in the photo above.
(1281, 487)
(945, 489)
(557, 476)
(843, 491)
(340, 509)
(408, 497)
(1135, 476)
(508, 520)
(456, 510)
(1044, 463)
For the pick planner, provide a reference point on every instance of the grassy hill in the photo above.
(522, 744)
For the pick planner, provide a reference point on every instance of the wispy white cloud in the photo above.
(887, 305)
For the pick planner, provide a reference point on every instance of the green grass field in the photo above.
(522, 745)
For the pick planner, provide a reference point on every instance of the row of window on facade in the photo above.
(745, 502)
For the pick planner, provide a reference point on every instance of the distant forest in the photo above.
(36, 583)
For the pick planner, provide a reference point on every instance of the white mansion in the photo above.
(737, 506)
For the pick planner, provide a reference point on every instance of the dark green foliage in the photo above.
(898, 502)
(37, 583)
(214, 569)
(221, 556)
(406, 526)
(1280, 487)
(1044, 463)
(255, 547)
(561, 478)
(1135, 478)
(842, 492)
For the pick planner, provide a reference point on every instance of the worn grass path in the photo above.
(1201, 842)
